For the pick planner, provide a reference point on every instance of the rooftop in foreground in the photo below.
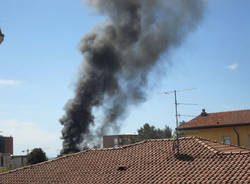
(151, 161)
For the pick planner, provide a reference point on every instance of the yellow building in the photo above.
(232, 127)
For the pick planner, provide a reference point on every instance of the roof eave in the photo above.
(213, 126)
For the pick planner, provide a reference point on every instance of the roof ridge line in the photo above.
(229, 111)
(41, 163)
(216, 151)
(140, 142)
(210, 148)
(170, 139)
(73, 154)
(87, 150)
(121, 147)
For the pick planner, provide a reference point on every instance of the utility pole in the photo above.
(176, 113)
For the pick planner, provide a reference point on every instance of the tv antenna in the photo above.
(176, 112)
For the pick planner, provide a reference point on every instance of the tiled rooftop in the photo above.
(219, 119)
(151, 161)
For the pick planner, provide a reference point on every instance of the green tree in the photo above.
(5, 169)
(181, 133)
(150, 132)
(37, 155)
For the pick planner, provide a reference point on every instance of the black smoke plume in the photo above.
(118, 56)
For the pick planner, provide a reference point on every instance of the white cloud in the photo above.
(9, 82)
(27, 135)
(233, 66)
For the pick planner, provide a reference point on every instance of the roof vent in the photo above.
(184, 157)
(122, 168)
(204, 113)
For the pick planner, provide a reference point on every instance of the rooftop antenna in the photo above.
(26, 151)
(176, 143)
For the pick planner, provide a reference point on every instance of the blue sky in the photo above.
(39, 61)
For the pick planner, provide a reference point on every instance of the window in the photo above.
(226, 139)
(1, 161)
(116, 141)
(124, 139)
(120, 140)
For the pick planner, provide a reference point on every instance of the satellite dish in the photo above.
(1, 36)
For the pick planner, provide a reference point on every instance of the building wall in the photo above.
(2, 144)
(13, 161)
(217, 134)
(6, 145)
(18, 161)
(117, 140)
(108, 141)
(9, 145)
(4, 160)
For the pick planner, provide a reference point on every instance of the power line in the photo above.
(175, 99)
(186, 104)
(186, 115)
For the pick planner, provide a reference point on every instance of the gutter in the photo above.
(238, 136)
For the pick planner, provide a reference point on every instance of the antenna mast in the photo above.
(176, 113)
(176, 117)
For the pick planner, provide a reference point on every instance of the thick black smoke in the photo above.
(118, 56)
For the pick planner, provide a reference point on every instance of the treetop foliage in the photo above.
(37, 155)
(150, 132)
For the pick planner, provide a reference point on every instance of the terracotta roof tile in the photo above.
(218, 119)
(152, 161)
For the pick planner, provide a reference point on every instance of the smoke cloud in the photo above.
(118, 56)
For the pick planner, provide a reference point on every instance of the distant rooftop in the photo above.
(218, 119)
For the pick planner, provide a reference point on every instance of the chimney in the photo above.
(204, 113)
